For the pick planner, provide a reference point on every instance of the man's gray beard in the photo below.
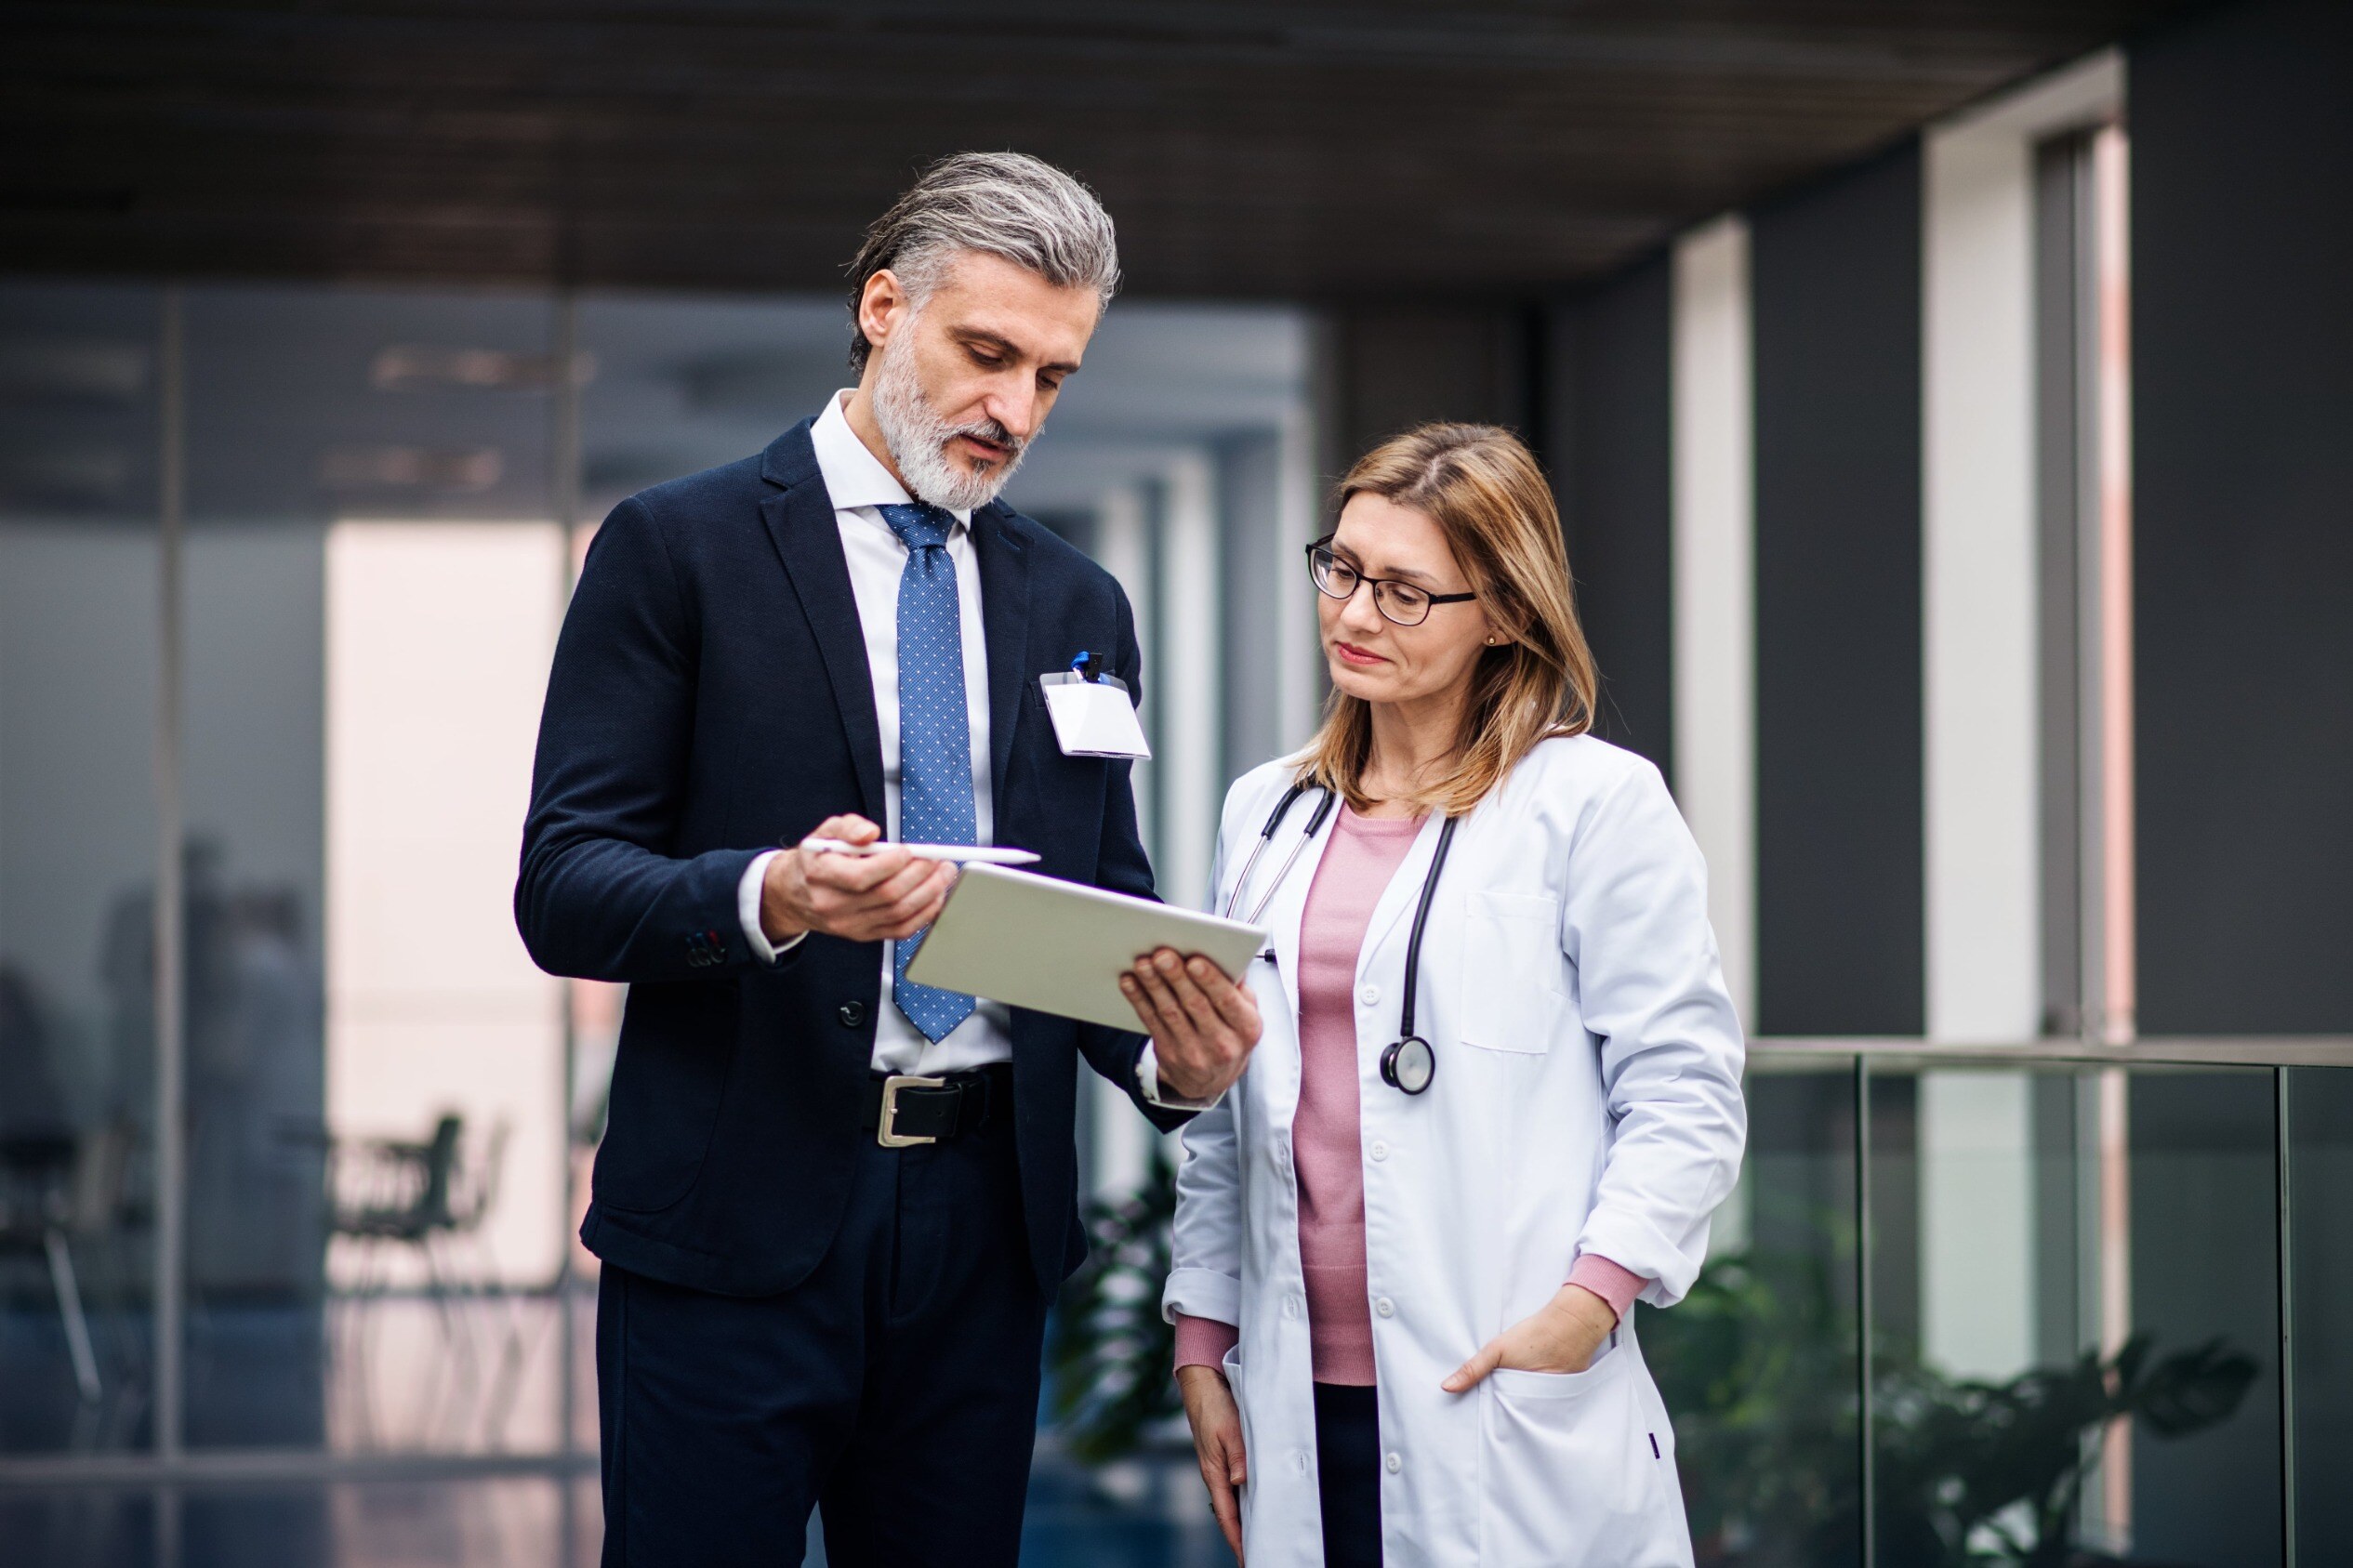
(917, 438)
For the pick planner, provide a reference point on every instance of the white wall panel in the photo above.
(1714, 572)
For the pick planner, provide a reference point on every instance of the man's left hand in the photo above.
(1202, 1025)
(1561, 1335)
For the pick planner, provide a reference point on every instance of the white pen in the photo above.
(980, 853)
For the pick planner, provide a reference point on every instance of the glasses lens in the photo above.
(1406, 606)
(1333, 576)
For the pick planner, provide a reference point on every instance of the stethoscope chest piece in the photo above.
(1408, 1064)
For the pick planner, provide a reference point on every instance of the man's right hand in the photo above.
(860, 898)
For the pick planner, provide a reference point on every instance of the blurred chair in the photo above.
(427, 1198)
(55, 1188)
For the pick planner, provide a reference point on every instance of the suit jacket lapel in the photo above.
(1004, 561)
(800, 522)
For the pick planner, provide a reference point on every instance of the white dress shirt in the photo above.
(860, 486)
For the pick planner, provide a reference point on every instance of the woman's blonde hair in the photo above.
(1484, 490)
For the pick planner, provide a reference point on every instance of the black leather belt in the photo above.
(904, 1110)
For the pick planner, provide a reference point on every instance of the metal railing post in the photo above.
(171, 1127)
(1865, 1318)
(2286, 1260)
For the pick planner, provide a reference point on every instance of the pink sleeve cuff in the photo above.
(1616, 1286)
(1204, 1341)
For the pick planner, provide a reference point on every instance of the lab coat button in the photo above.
(1386, 1307)
(1395, 1463)
(1369, 995)
(1380, 1149)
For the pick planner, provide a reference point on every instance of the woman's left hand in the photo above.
(1560, 1336)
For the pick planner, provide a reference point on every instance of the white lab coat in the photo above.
(1587, 1099)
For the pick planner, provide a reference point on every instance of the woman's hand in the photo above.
(1561, 1336)
(1217, 1440)
(1202, 1025)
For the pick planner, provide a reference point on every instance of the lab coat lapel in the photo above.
(1402, 893)
(800, 524)
(1288, 906)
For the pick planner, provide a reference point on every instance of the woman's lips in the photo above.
(1356, 656)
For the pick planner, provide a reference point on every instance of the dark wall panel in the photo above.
(1400, 366)
(2243, 330)
(1609, 438)
(1836, 280)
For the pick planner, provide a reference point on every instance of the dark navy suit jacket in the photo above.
(710, 700)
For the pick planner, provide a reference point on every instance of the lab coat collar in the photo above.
(1288, 906)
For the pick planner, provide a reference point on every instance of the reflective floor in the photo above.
(1136, 1516)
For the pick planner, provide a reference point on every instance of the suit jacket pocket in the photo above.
(669, 1081)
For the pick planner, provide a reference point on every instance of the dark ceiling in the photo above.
(1322, 149)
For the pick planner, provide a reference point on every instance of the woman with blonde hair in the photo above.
(1499, 1090)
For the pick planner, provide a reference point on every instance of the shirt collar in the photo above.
(853, 476)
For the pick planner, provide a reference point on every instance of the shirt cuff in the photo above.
(1617, 1286)
(747, 912)
(1203, 1341)
(1148, 1081)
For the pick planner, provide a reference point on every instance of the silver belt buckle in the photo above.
(885, 1132)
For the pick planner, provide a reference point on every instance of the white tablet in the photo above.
(1057, 947)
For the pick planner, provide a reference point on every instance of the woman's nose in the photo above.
(1358, 610)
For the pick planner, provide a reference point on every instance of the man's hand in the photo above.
(1217, 1442)
(861, 897)
(1560, 1336)
(1202, 1025)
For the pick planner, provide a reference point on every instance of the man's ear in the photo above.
(881, 307)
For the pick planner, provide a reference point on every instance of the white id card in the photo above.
(1093, 718)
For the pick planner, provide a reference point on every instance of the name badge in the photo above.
(1093, 718)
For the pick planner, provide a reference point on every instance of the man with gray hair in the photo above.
(833, 1204)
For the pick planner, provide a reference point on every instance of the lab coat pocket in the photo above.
(1232, 1367)
(1571, 1474)
(1512, 966)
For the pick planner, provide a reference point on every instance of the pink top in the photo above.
(1326, 1132)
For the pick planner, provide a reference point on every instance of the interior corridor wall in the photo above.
(1835, 272)
(2243, 349)
(2243, 388)
(1609, 436)
(1398, 366)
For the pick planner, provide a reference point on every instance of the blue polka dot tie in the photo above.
(936, 737)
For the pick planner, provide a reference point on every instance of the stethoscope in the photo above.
(1408, 1064)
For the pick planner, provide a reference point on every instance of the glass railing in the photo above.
(2030, 1305)
(2034, 1305)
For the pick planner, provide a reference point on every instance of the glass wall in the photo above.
(375, 1193)
(311, 657)
(80, 599)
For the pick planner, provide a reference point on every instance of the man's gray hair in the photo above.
(1003, 204)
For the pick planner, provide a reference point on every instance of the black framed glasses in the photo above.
(1403, 604)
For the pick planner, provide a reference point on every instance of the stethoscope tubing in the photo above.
(1412, 1079)
(1266, 835)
